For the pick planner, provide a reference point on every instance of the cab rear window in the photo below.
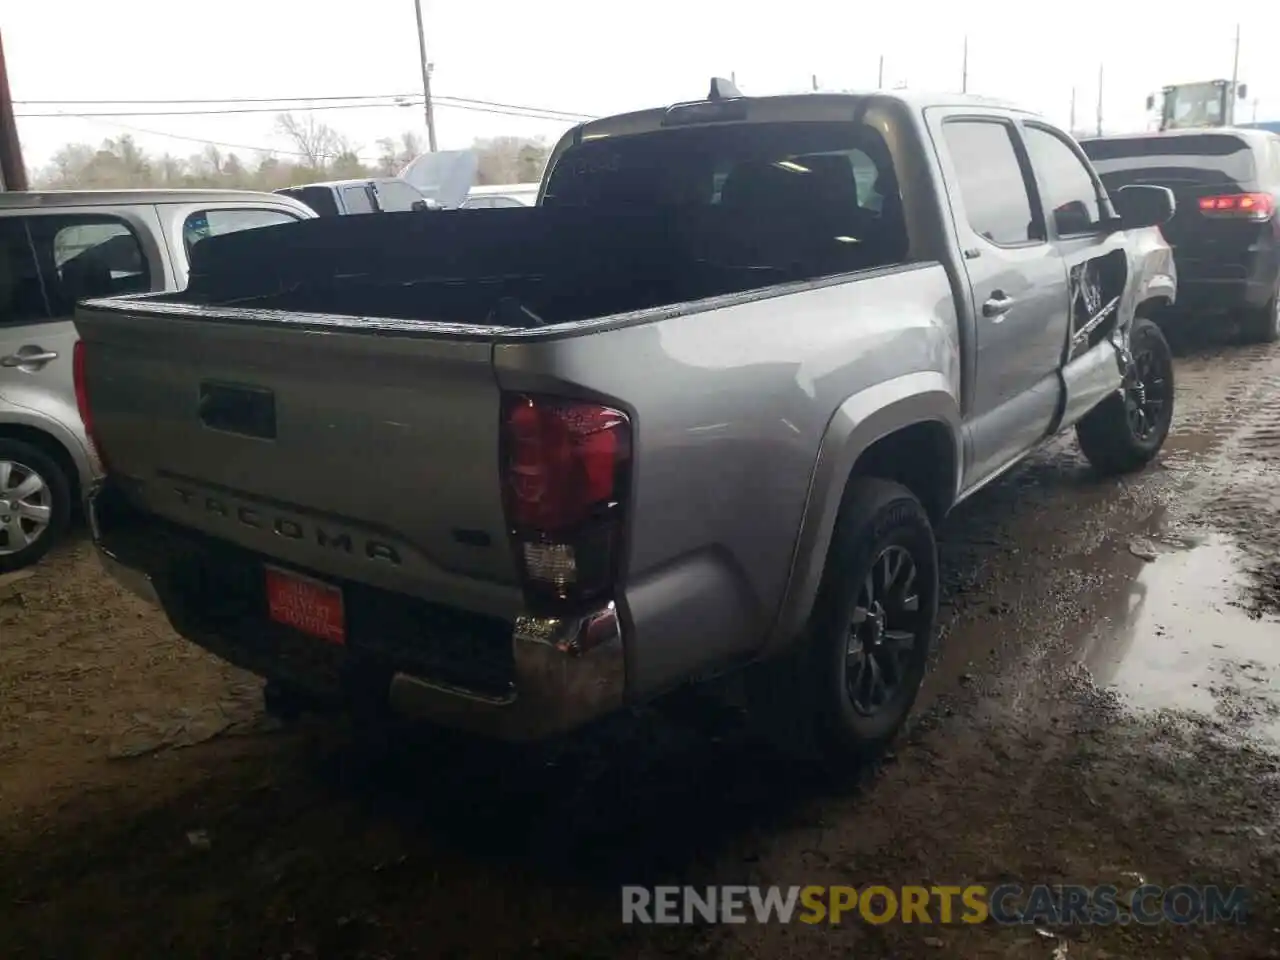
(820, 183)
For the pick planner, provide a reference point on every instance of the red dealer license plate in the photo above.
(306, 604)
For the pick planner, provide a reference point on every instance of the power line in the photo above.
(298, 103)
(64, 103)
(522, 113)
(205, 142)
(285, 104)
(503, 109)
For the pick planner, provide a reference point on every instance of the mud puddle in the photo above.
(1175, 634)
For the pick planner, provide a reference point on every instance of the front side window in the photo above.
(1069, 190)
(214, 223)
(992, 186)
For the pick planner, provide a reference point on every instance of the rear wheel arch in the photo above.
(914, 440)
(922, 457)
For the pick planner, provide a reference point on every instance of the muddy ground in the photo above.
(1105, 708)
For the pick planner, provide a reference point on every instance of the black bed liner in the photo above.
(509, 267)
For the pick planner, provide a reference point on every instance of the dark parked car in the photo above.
(1225, 233)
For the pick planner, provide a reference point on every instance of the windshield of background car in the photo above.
(1194, 105)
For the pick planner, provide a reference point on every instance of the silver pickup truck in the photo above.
(696, 414)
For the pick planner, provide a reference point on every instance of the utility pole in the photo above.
(880, 76)
(1235, 64)
(815, 83)
(1099, 99)
(733, 77)
(1230, 106)
(964, 67)
(1072, 128)
(426, 80)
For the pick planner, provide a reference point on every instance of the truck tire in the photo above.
(1262, 325)
(844, 694)
(1126, 431)
(35, 498)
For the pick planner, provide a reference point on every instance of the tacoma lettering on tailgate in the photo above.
(291, 528)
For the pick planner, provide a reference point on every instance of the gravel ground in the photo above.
(1104, 708)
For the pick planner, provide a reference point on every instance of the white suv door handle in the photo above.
(22, 359)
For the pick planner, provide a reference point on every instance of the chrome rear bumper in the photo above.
(568, 672)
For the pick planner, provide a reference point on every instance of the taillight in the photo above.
(1239, 206)
(565, 469)
(79, 375)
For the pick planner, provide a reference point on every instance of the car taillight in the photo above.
(79, 375)
(1239, 206)
(565, 467)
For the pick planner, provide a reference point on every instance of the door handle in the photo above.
(997, 305)
(23, 359)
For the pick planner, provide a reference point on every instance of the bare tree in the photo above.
(394, 156)
(121, 162)
(317, 143)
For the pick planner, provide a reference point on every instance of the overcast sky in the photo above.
(593, 58)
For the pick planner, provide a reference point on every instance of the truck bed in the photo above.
(512, 267)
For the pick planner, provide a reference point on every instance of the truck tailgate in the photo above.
(350, 450)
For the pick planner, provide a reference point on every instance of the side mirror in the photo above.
(1151, 101)
(1242, 91)
(419, 205)
(1072, 217)
(1141, 206)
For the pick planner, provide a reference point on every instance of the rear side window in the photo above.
(1067, 187)
(21, 295)
(992, 186)
(214, 223)
(87, 255)
(356, 199)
